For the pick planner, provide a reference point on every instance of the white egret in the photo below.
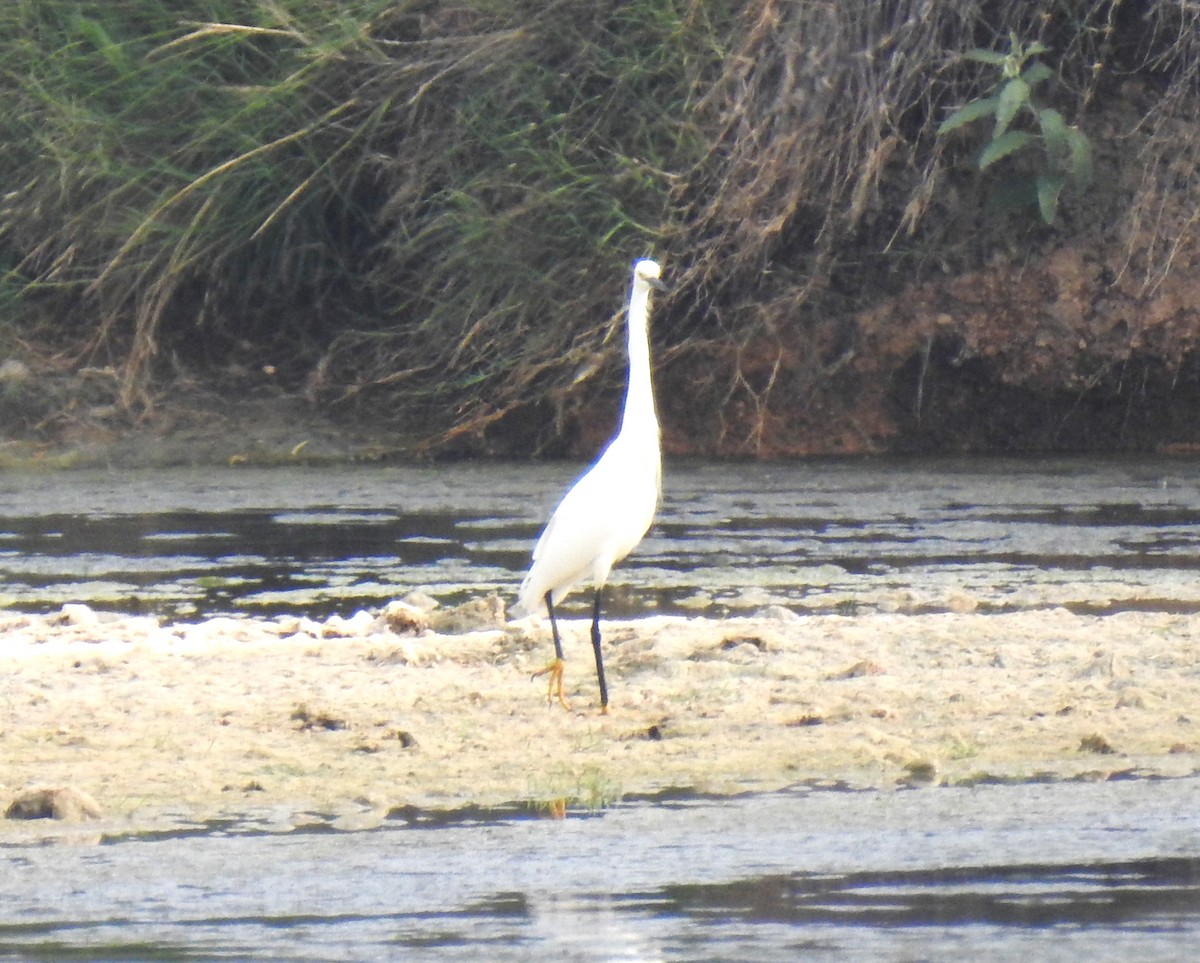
(606, 513)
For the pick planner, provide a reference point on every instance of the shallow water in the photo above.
(858, 535)
(1107, 872)
(1065, 871)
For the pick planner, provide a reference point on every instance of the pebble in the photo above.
(76, 613)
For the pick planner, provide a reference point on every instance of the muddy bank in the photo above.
(291, 721)
(194, 425)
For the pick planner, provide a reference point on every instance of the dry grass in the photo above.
(429, 208)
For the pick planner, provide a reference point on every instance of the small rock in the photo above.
(780, 613)
(920, 772)
(752, 641)
(309, 719)
(1096, 743)
(358, 624)
(485, 613)
(421, 601)
(307, 626)
(76, 613)
(858, 670)
(404, 618)
(62, 802)
(252, 786)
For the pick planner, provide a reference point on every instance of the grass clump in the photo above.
(171, 180)
(364, 194)
(561, 789)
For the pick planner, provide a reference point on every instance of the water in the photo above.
(1065, 871)
(1092, 535)
(1107, 872)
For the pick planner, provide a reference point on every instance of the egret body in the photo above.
(606, 513)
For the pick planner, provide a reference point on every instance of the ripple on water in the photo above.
(823, 536)
(1046, 871)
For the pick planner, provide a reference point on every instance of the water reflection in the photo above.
(926, 874)
(1153, 892)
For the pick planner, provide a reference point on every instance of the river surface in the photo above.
(829, 536)
(1105, 872)
(1063, 871)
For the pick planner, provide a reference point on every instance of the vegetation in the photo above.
(368, 194)
(429, 208)
(1067, 152)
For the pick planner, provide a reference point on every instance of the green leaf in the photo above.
(967, 113)
(1035, 48)
(1034, 74)
(986, 57)
(1003, 146)
(1013, 96)
(1054, 133)
(1049, 186)
(1080, 149)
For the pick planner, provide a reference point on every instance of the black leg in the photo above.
(555, 669)
(599, 657)
(554, 626)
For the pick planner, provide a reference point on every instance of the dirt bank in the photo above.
(290, 721)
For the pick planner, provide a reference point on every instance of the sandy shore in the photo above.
(289, 721)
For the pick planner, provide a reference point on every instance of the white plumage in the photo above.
(608, 511)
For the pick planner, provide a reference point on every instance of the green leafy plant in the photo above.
(1066, 152)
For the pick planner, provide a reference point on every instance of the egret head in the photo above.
(648, 271)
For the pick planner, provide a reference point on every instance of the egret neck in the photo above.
(639, 416)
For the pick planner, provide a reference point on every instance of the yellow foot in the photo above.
(555, 689)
